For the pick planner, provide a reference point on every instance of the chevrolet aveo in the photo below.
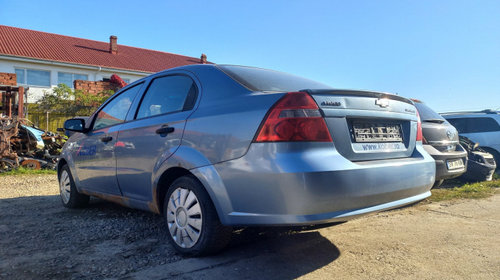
(215, 146)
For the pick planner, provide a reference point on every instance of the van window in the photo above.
(474, 125)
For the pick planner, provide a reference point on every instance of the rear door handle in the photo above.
(165, 130)
(106, 139)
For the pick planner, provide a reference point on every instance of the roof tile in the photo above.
(47, 46)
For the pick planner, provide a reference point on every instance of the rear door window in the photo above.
(167, 95)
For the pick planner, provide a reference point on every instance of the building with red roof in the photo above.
(43, 60)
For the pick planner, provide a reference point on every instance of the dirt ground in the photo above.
(40, 239)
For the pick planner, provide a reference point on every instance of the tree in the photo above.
(85, 103)
(65, 100)
(57, 101)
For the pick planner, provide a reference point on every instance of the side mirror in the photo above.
(76, 125)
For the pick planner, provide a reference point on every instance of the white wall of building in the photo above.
(34, 93)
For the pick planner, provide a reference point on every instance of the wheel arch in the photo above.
(187, 161)
(164, 182)
(60, 164)
(210, 181)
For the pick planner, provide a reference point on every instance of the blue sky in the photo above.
(446, 53)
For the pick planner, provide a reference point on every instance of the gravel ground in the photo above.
(40, 239)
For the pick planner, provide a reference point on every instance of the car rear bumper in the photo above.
(442, 171)
(310, 219)
(273, 185)
(478, 171)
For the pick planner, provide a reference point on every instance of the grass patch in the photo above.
(468, 191)
(27, 171)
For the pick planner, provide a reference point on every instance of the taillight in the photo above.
(295, 117)
(419, 128)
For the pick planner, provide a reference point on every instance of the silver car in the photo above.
(482, 127)
(215, 146)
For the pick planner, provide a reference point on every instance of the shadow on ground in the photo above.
(41, 239)
(254, 253)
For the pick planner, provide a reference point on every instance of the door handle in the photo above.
(106, 139)
(165, 130)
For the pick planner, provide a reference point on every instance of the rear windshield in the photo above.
(257, 79)
(427, 113)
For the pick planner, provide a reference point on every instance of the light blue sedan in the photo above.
(215, 146)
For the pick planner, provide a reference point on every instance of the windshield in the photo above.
(258, 79)
(427, 113)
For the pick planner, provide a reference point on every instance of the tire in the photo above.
(7, 165)
(70, 197)
(194, 229)
(437, 183)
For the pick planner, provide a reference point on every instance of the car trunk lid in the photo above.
(366, 125)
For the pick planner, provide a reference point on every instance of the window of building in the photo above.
(166, 95)
(21, 76)
(33, 77)
(69, 78)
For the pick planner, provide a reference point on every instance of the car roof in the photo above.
(465, 114)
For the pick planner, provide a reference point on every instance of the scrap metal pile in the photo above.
(24, 145)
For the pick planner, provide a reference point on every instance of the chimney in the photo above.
(203, 58)
(113, 46)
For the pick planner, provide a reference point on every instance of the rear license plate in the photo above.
(378, 147)
(376, 132)
(455, 164)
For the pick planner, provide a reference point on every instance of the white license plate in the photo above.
(455, 164)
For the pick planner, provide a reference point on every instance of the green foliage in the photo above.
(27, 171)
(57, 101)
(64, 100)
(473, 190)
(86, 104)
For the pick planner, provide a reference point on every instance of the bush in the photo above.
(64, 100)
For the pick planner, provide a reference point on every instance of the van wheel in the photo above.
(194, 228)
(70, 197)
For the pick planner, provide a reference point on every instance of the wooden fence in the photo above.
(55, 120)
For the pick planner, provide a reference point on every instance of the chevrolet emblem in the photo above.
(382, 103)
